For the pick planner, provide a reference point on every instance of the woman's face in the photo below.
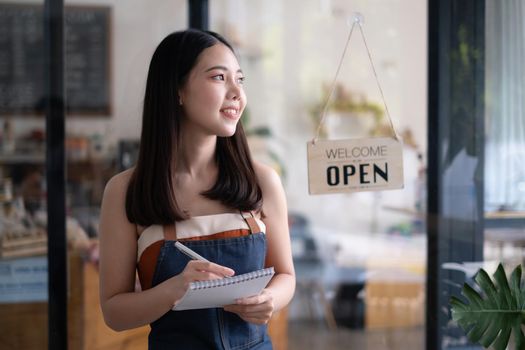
(213, 98)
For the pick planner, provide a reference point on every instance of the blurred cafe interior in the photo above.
(375, 269)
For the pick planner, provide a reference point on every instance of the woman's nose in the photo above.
(234, 92)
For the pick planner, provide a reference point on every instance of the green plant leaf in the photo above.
(491, 316)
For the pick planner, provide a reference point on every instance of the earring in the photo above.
(180, 101)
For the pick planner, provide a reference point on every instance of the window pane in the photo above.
(360, 258)
(505, 135)
(109, 45)
(505, 111)
(23, 237)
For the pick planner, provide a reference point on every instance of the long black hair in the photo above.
(150, 195)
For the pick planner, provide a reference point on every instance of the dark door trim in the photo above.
(55, 174)
(456, 48)
(198, 14)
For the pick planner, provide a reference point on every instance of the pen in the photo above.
(190, 253)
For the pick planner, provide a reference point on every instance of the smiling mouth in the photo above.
(230, 113)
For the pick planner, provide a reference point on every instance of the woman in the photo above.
(194, 181)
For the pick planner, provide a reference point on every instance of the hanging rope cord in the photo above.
(334, 82)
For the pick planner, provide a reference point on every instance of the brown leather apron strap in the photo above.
(170, 234)
(252, 223)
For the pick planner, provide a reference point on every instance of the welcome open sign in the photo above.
(369, 164)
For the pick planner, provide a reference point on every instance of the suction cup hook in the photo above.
(357, 18)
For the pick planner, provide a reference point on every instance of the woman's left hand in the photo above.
(257, 309)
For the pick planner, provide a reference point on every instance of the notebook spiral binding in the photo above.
(231, 280)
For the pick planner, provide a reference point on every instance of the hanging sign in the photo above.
(339, 166)
(354, 165)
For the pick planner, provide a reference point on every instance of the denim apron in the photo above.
(211, 328)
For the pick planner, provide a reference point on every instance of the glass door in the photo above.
(107, 47)
(360, 258)
(476, 143)
(23, 215)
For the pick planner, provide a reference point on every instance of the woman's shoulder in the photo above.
(115, 192)
(266, 175)
(118, 184)
(274, 198)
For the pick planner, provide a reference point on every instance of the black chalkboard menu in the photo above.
(87, 60)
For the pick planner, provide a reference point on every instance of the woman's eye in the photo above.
(218, 77)
(240, 80)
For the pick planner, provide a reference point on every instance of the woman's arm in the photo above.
(123, 308)
(280, 290)
(279, 252)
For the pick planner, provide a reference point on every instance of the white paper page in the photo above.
(222, 295)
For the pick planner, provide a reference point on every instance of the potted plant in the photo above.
(347, 115)
(490, 315)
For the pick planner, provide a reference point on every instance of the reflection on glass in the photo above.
(505, 136)
(505, 107)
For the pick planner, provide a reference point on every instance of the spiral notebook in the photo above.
(224, 291)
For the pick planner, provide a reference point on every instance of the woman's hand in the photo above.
(257, 309)
(198, 270)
